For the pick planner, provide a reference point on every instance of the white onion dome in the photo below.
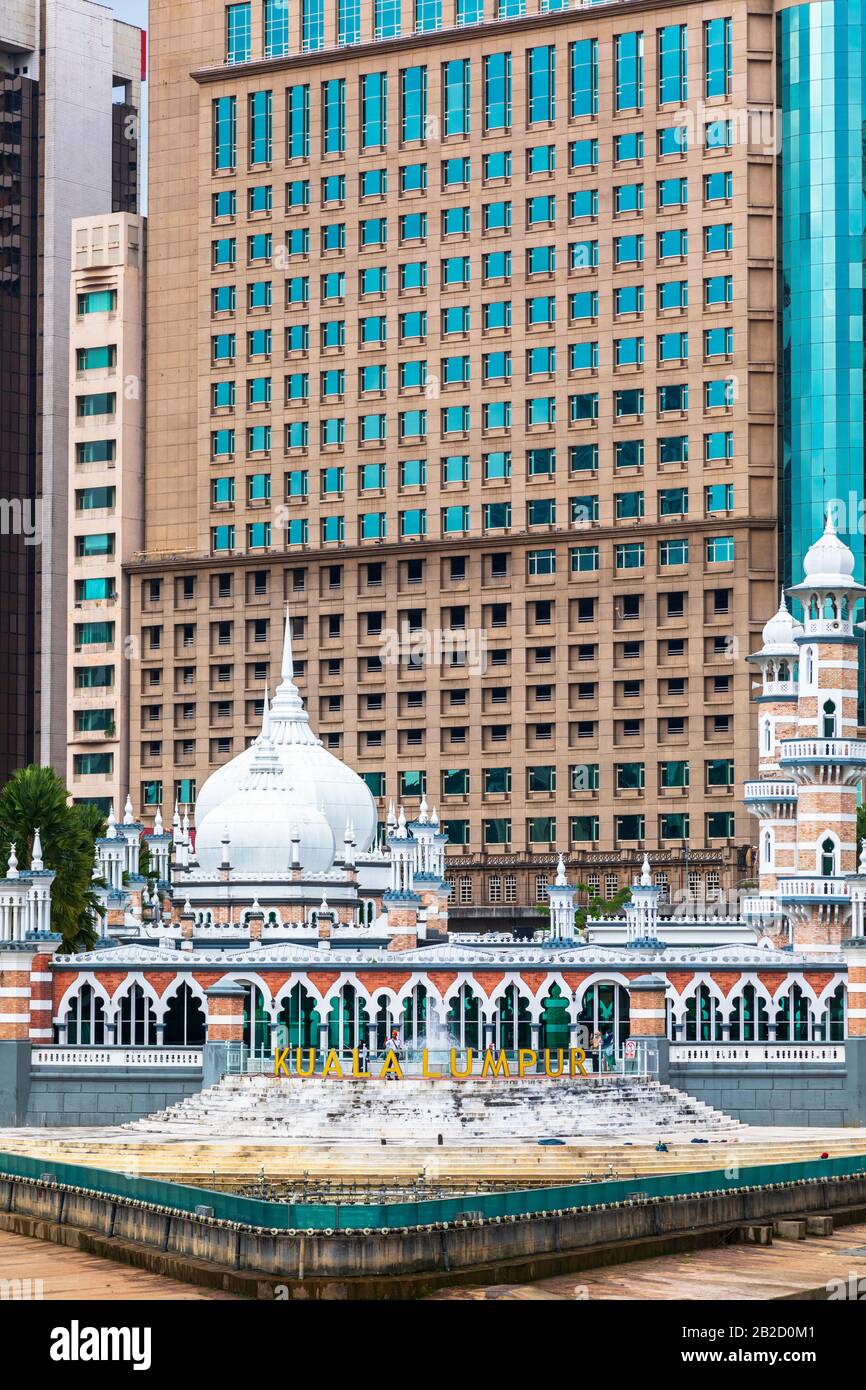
(314, 777)
(828, 560)
(781, 632)
(255, 826)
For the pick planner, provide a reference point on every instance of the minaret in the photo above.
(561, 896)
(825, 757)
(642, 910)
(773, 798)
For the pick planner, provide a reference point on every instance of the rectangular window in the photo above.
(541, 83)
(298, 122)
(312, 25)
(428, 16)
(334, 116)
(225, 118)
(628, 71)
(261, 127)
(276, 28)
(456, 96)
(386, 20)
(374, 110)
(583, 73)
(673, 64)
(497, 91)
(238, 33)
(717, 57)
(413, 104)
(348, 21)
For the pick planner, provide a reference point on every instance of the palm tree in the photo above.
(34, 797)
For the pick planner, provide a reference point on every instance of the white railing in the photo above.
(832, 749)
(770, 791)
(813, 886)
(190, 1057)
(762, 907)
(757, 1053)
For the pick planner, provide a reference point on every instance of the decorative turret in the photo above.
(561, 896)
(642, 910)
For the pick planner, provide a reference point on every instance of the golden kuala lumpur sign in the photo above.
(557, 1063)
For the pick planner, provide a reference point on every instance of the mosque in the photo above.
(283, 919)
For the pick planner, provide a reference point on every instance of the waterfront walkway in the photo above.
(74, 1275)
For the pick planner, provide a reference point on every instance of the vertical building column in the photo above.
(648, 1017)
(225, 1025)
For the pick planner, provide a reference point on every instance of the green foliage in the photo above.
(861, 829)
(594, 907)
(34, 797)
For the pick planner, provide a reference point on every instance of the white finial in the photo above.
(176, 817)
(392, 819)
(561, 880)
(287, 670)
(645, 876)
(128, 817)
(266, 717)
(423, 813)
(225, 842)
(157, 822)
(401, 822)
(187, 908)
(323, 905)
(862, 865)
(186, 825)
(830, 527)
(111, 832)
(256, 908)
(434, 818)
(36, 856)
(12, 871)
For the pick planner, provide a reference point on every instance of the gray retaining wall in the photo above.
(67, 1096)
(772, 1094)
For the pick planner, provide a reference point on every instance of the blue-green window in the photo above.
(628, 453)
(259, 487)
(673, 448)
(627, 352)
(629, 556)
(222, 490)
(332, 382)
(628, 250)
(470, 11)
(456, 370)
(298, 289)
(673, 347)
(260, 198)
(456, 171)
(583, 406)
(455, 520)
(259, 342)
(312, 25)
(541, 83)
(334, 116)
(673, 397)
(674, 501)
(540, 361)
(496, 314)
(374, 328)
(456, 221)
(373, 526)
(673, 294)
(224, 251)
(413, 178)
(334, 236)
(456, 96)
(258, 439)
(225, 203)
(497, 165)
(386, 21)
(298, 121)
(718, 393)
(583, 305)
(413, 522)
(374, 110)
(373, 377)
(100, 544)
(276, 28)
(297, 434)
(718, 57)
(298, 193)
(94, 764)
(497, 91)
(584, 559)
(718, 186)
(348, 21)
(88, 499)
(497, 465)
(87, 589)
(413, 103)
(719, 497)
(541, 260)
(674, 552)
(672, 140)
(719, 134)
(225, 112)
(96, 451)
(718, 446)
(582, 154)
(628, 402)
(455, 319)
(456, 270)
(412, 424)
(496, 416)
(674, 826)
(259, 390)
(89, 359)
(373, 428)
(333, 189)
(628, 146)
(719, 237)
(238, 33)
(428, 16)
(223, 347)
(456, 419)
(673, 193)
(222, 538)
(541, 210)
(97, 302)
(720, 825)
(673, 63)
(719, 549)
(333, 286)
(455, 468)
(298, 241)
(413, 472)
(258, 535)
(497, 515)
(628, 197)
(333, 528)
(583, 203)
(582, 357)
(628, 72)
(298, 530)
(583, 77)
(673, 243)
(718, 290)
(718, 342)
(297, 482)
(97, 403)
(374, 231)
(297, 387)
(496, 265)
(628, 299)
(541, 159)
(261, 127)
(583, 458)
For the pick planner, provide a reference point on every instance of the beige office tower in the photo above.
(106, 497)
(461, 346)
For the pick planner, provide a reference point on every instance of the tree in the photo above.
(35, 798)
(595, 906)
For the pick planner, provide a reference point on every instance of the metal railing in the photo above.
(87, 1057)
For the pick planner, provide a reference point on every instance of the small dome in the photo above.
(781, 632)
(314, 777)
(829, 559)
(258, 823)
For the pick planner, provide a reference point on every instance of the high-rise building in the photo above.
(69, 95)
(463, 345)
(106, 496)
